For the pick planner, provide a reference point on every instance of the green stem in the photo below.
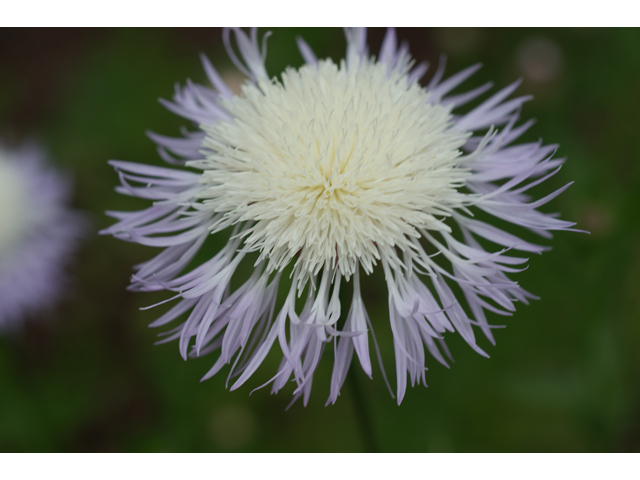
(363, 416)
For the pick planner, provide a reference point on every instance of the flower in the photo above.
(39, 233)
(331, 170)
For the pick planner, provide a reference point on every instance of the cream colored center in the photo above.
(333, 165)
(15, 217)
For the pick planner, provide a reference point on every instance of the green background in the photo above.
(563, 376)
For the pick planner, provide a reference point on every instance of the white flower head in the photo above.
(38, 234)
(333, 169)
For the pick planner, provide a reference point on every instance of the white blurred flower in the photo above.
(37, 236)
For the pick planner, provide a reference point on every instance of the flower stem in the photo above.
(363, 416)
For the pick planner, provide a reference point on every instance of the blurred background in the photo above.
(86, 376)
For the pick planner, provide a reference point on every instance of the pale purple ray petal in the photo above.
(306, 51)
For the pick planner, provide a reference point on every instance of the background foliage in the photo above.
(563, 376)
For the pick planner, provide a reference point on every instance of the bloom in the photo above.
(331, 170)
(39, 233)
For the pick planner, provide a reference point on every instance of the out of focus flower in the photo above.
(539, 60)
(327, 172)
(38, 233)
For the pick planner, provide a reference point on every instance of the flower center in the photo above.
(334, 166)
(15, 219)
